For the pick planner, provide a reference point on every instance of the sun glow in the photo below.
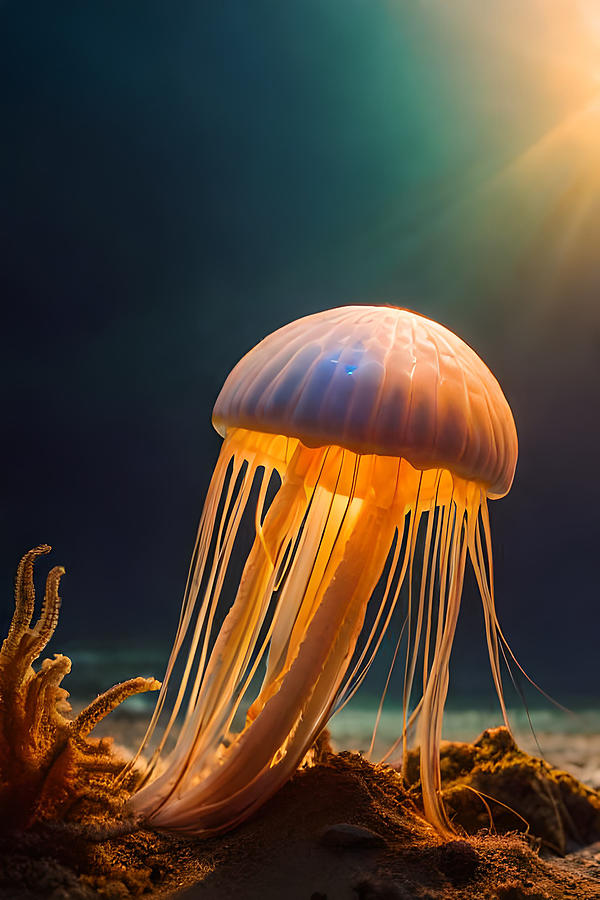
(526, 88)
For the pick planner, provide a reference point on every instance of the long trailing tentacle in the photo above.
(202, 547)
(441, 513)
(304, 537)
(290, 717)
(494, 616)
(397, 574)
(406, 512)
(318, 512)
(207, 755)
(460, 536)
(407, 659)
(385, 689)
(217, 577)
(215, 694)
(485, 583)
(427, 579)
(435, 692)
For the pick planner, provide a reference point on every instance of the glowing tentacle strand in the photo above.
(267, 751)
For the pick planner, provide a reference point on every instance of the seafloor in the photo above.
(344, 829)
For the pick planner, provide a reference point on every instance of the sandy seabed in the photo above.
(345, 829)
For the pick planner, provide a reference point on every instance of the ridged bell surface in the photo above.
(377, 379)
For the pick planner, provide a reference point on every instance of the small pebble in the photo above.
(458, 860)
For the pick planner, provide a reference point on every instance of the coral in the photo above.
(491, 783)
(48, 765)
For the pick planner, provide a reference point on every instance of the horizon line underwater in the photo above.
(360, 447)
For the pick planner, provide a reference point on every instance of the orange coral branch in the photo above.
(45, 762)
(24, 600)
(89, 717)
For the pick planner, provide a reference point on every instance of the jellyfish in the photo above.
(352, 438)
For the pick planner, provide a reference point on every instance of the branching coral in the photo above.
(47, 762)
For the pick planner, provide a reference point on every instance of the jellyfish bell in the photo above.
(381, 426)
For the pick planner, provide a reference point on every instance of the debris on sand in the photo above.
(282, 851)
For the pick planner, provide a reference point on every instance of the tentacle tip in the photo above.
(153, 685)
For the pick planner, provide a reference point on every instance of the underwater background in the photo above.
(181, 179)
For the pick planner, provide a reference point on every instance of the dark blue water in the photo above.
(467, 714)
